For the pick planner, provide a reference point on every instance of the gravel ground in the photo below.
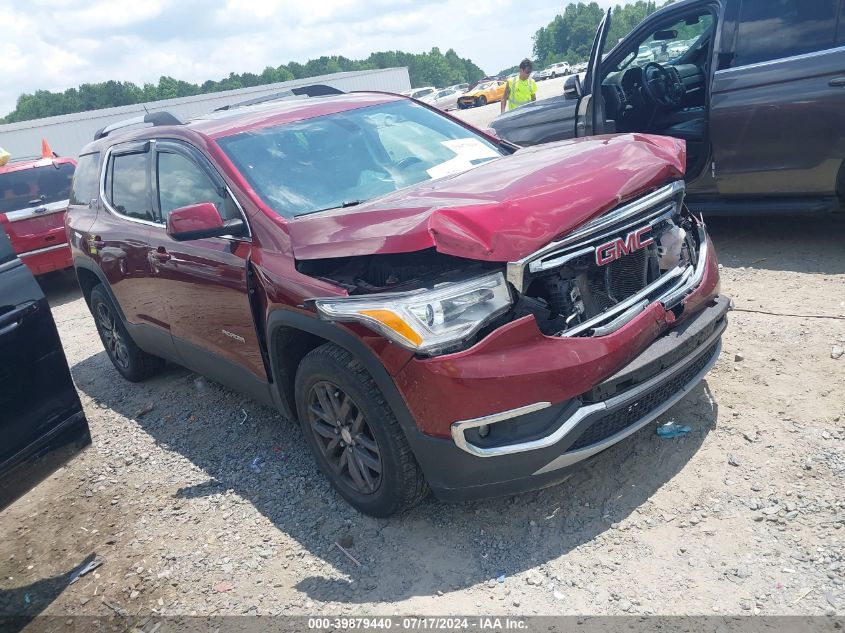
(199, 501)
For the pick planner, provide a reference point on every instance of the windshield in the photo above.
(32, 187)
(341, 159)
(668, 44)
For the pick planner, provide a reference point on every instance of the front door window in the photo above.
(181, 183)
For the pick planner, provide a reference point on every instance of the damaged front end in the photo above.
(607, 272)
(588, 284)
(426, 302)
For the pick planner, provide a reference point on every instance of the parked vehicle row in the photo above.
(760, 116)
(559, 69)
(438, 308)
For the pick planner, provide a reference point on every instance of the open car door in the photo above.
(42, 423)
(591, 117)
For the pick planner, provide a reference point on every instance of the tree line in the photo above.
(433, 68)
(569, 36)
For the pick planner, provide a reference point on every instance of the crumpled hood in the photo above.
(502, 210)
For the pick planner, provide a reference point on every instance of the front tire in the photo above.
(128, 359)
(482, 101)
(354, 435)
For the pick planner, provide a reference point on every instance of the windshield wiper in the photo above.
(342, 205)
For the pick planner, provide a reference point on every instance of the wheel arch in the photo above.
(291, 335)
(89, 275)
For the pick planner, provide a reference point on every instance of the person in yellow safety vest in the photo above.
(522, 89)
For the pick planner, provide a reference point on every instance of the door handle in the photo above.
(838, 82)
(161, 254)
(11, 320)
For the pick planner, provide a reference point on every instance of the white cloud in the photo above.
(58, 44)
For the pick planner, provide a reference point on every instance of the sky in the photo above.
(59, 44)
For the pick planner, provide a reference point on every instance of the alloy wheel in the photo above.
(113, 339)
(344, 437)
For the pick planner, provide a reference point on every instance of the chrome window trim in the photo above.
(780, 60)
(516, 269)
(458, 428)
(46, 249)
(48, 208)
(107, 157)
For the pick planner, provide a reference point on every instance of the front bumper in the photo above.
(567, 433)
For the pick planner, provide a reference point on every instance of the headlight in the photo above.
(425, 321)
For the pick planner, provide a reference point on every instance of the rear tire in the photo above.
(354, 435)
(128, 359)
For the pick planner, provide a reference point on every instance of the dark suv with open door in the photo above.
(756, 89)
(41, 418)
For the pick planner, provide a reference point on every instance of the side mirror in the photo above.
(198, 221)
(572, 87)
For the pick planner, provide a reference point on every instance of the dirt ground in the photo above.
(209, 503)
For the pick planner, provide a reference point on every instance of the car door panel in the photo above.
(204, 283)
(41, 417)
(776, 109)
(777, 127)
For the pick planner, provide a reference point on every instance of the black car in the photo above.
(756, 88)
(41, 417)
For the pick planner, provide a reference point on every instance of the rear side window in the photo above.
(774, 29)
(86, 179)
(128, 191)
(33, 187)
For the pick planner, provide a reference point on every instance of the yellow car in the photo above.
(484, 93)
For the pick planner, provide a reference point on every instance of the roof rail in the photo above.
(313, 90)
(156, 118)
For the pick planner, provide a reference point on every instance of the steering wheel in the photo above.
(661, 87)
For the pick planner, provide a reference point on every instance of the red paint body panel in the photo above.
(50, 261)
(501, 210)
(535, 367)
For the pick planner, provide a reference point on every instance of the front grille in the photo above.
(584, 294)
(617, 421)
(618, 280)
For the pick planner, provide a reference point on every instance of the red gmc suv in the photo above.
(33, 200)
(439, 309)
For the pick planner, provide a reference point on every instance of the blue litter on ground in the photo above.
(671, 430)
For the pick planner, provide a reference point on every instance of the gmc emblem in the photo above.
(613, 250)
